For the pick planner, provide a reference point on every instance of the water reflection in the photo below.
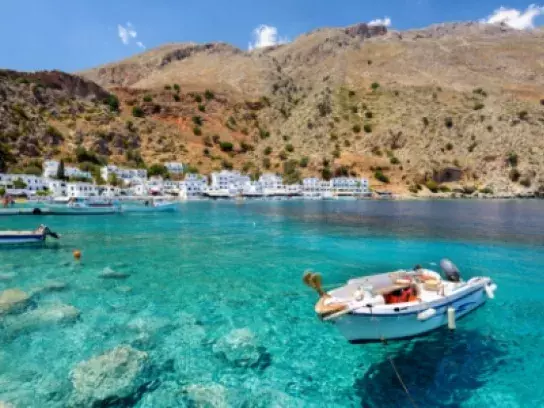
(513, 221)
(440, 370)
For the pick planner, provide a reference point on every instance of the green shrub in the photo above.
(304, 162)
(523, 115)
(197, 120)
(448, 122)
(351, 93)
(347, 143)
(394, 160)
(478, 106)
(369, 114)
(368, 128)
(148, 98)
(356, 128)
(157, 108)
(157, 170)
(375, 86)
(137, 112)
(266, 163)
(283, 155)
(206, 151)
(167, 87)
(486, 190)
(246, 147)
(176, 88)
(113, 102)
(226, 146)
(226, 164)
(177, 98)
(378, 175)
(425, 121)
(208, 141)
(525, 182)
(336, 153)
(291, 174)
(19, 183)
(514, 175)
(479, 91)
(267, 150)
(469, 190)
(449, 146)
(512, 159)
(209, 95)
(289, 147)
(432, 185)
(197, 131)
(444, 189)
(326, 173)
(198, 98)
(472, 147)
(263, 133)
(354, 109)
(201, 108)
(413, 189)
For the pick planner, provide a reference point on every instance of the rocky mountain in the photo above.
(450, 106)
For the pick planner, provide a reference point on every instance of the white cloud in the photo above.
(140, 44)
(127, 33)
(386, 21)
(266, 36)
(515, 18)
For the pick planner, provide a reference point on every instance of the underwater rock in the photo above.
(42, 316)
(7, 277)
(49, 286)
(108, 273)
(13, 301)
(124, 289)
(6, 405)
(209, 395)
(116, 375)
(239, 347)
(166, 395)
(269, 398)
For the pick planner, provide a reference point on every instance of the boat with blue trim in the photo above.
(400, 304)
(27, 237)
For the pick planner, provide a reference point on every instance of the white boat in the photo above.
(153, 206)
(84, 206)
(27, 237)
(401, 304)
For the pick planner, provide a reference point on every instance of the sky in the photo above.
(73, 35)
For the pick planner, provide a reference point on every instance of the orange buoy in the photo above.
(77, 254)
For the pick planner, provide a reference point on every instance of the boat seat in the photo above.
(388, 289)
(323, 309)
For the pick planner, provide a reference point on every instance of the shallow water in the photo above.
(196, 276)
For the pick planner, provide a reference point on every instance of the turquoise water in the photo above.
(192, 280)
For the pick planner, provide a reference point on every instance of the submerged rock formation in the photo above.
(239, 347)
(108, 273)
(116, 375)
(13, 301)
(206, 395)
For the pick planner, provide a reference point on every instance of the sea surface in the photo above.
(213, 295)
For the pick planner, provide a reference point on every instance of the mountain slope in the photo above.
(459, 104)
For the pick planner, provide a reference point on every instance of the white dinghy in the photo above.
(27, 237)
(400, 304)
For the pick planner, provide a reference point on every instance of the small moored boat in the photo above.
(84, 206)
(153, 206)
(401, 304)
(27, 237)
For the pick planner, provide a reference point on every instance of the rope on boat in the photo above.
(412, 401)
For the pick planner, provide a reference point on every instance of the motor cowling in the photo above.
(450, 270)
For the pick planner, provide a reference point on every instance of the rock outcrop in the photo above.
(114, 376)
(13, 301)
(239, 347)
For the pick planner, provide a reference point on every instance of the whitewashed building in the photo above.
(232, 181)
(174, 167)
(126, 175)
(33, 183)
(60, 188)
(346, 186)
(193, 186)
(50, 168)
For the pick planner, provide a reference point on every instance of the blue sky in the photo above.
(76, 34)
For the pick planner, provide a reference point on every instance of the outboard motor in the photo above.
(450, 270)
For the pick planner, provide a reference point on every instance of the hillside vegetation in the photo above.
(451, 106)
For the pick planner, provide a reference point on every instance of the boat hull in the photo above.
(65, 210)
(368, 327)
(22, 239)
(172, 207)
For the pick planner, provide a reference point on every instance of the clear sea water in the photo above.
(215, 267)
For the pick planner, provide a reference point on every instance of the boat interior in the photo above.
(400, 287)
